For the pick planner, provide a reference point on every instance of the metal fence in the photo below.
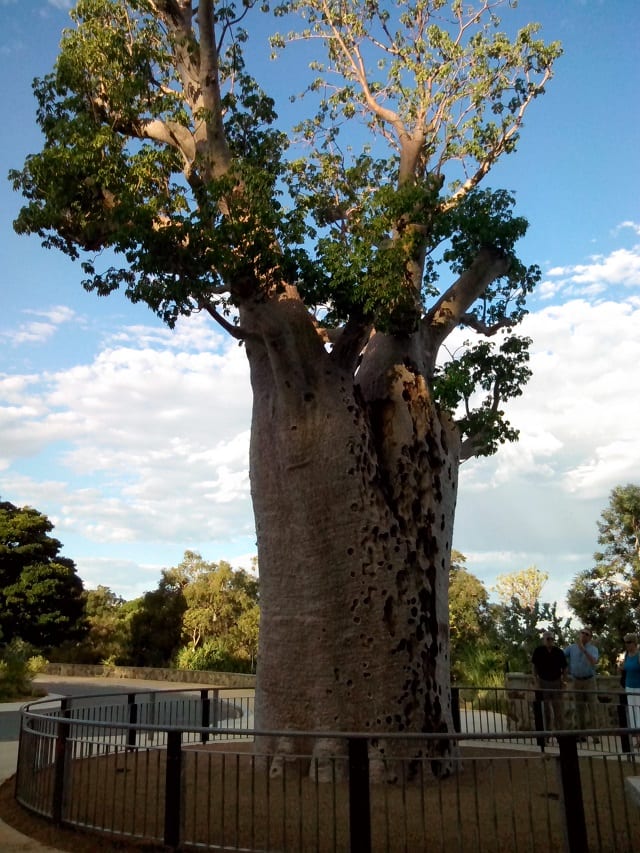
(185, 769)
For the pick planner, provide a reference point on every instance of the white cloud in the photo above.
(634, 226)
(128, 578)
(619, 268)
(578, 426)
(43, 329)
(148, 441)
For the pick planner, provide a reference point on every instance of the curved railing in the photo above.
(184, 768)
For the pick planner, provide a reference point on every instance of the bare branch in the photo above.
(214, 143)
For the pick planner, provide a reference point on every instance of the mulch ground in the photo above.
(503, 800)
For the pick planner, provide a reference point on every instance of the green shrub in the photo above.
(211, 655)
(480, 667)
(18, 667)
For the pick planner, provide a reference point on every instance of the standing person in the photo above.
(549, 670)
(582, 657)
(631, 670)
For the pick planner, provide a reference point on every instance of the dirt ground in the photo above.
(502, 801)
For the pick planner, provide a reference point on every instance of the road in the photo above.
(180, 713)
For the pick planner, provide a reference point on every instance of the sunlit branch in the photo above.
(235, 331)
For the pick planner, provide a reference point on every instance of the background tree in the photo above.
(525, 586)
(161, 146)
(108, 635)
(489, 638)
(470, 625)
(521, 617)
(41, 594)
(156, 624)
(222, 611)
(18, 667)
(607, 596)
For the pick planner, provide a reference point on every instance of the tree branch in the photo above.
(351, 340)
(498, 149)
(485, 329)
(449, 311)
(359, 71)
(474, 442)
(214, 144)
(235, 331)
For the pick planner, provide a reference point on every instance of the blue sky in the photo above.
(134, 439)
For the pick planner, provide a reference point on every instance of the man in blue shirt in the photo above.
(582, 658)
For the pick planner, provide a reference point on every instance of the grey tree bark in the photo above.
(354, 480)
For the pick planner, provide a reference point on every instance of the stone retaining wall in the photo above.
(234, 680)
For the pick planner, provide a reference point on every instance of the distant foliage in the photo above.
(107, 640)
(201, 616)
(222, 616)
(213, 654)
(489, 639)
(155, 626)
(607, 596)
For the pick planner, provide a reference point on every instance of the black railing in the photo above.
(145, 774)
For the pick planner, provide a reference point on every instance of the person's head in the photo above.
(548, 638)
(586, 635)
(630, 641)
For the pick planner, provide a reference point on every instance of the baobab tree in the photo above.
(345, 255)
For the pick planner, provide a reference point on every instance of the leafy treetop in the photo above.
(161, 146)
(41, 595)
(607, 595)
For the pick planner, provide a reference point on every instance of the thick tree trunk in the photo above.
(354, 494)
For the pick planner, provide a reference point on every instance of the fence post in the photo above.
(538, 717)
(623, 722)
(133, 719)
(205, 707)
(215, 719)
(572, 795)
(21, 751)
(359, 798)
(173, 789)
(60, 760)
(455, 709)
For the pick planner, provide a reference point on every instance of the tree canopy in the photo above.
(201, 615)
(160, 145)
(222, 606)
(41, 594)
(607, 596)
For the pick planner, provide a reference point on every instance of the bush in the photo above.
(211, 655)
(18, 667)
(480, 667)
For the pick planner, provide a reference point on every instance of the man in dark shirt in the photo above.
(550, 670)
